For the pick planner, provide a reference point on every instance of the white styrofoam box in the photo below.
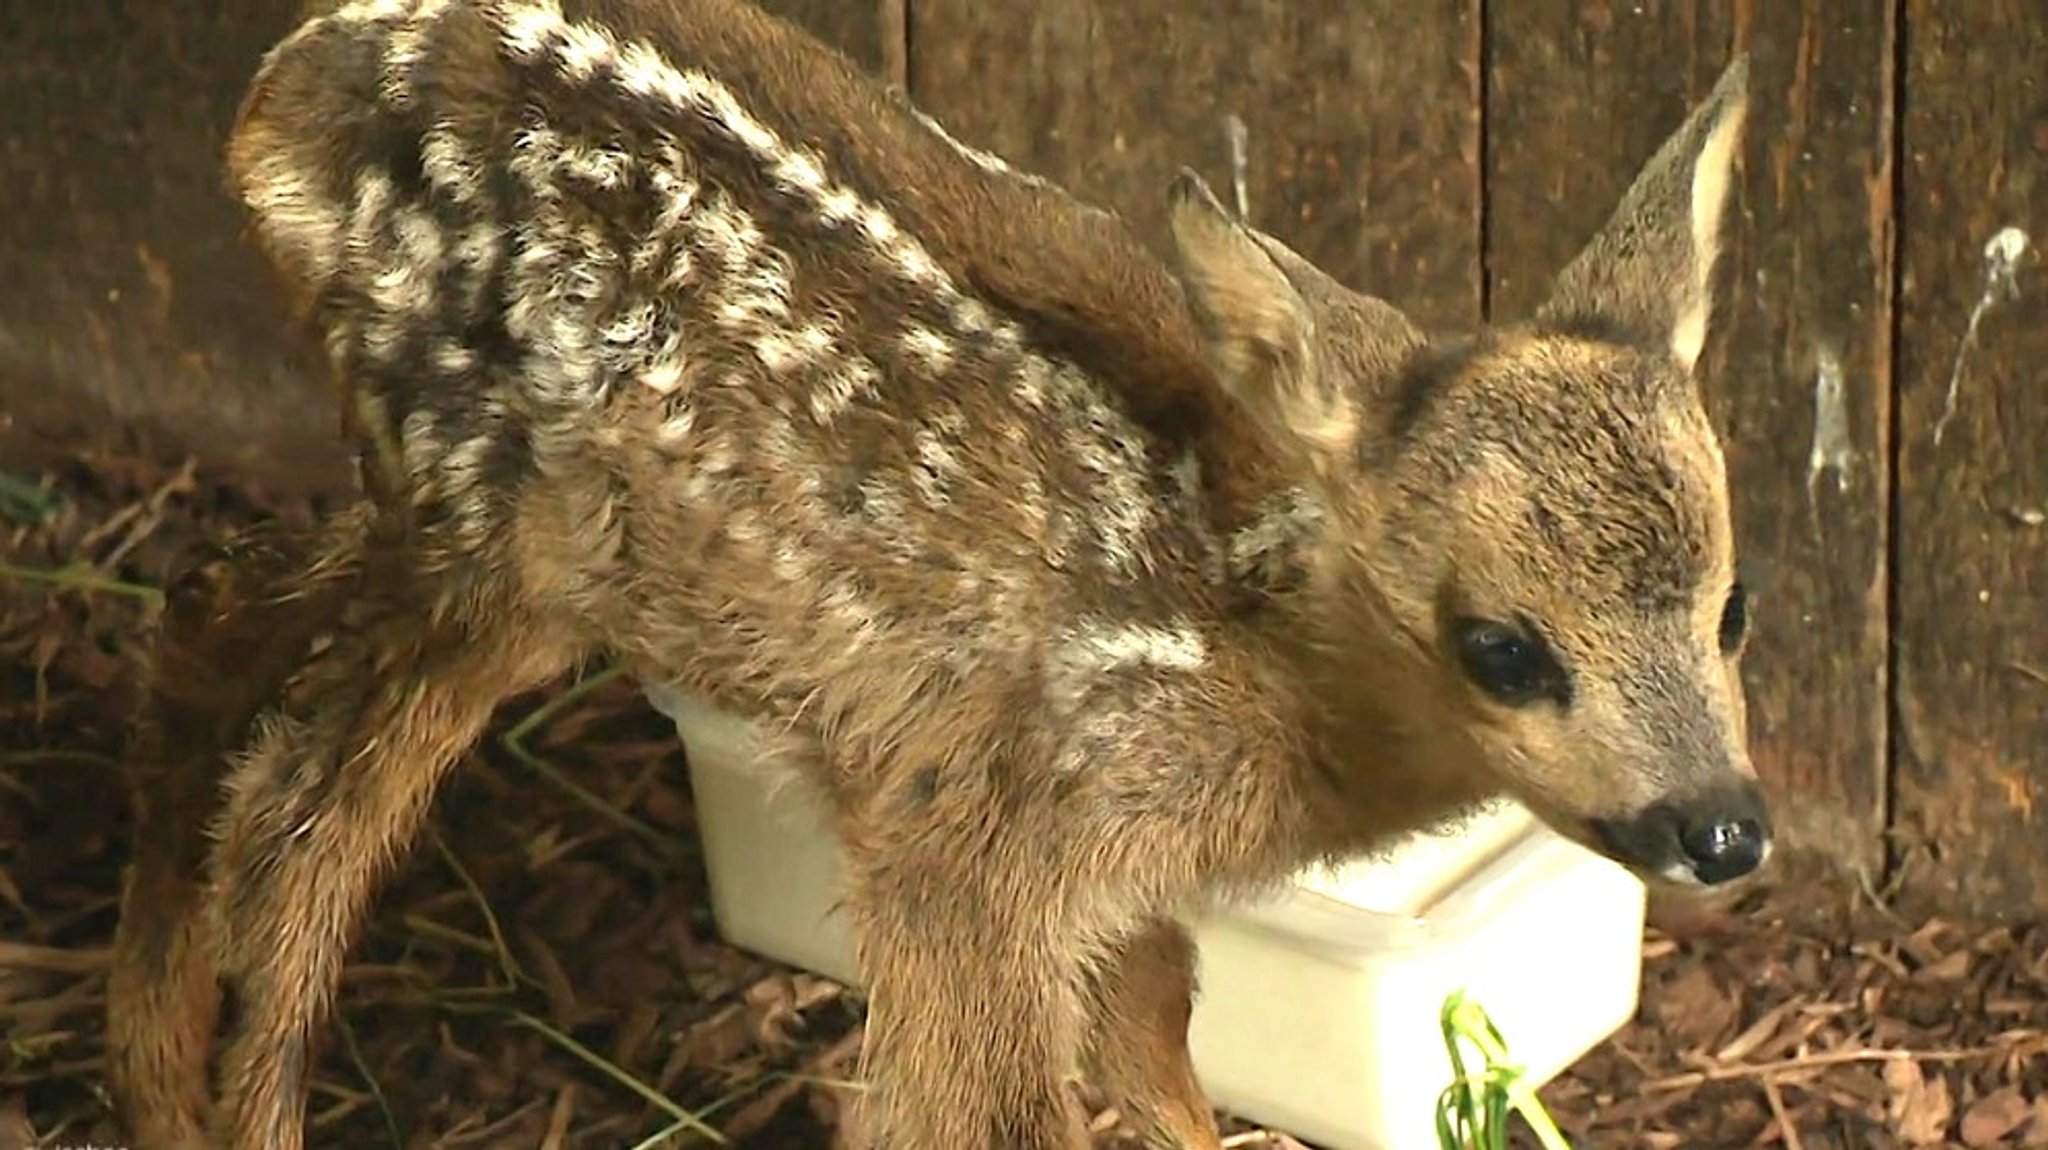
(1319, 1006)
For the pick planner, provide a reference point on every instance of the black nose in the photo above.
(1723, 849)
(1715, 836)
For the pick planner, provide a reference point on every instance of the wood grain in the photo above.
(134, 318)
(1361, 117)
(1797, 374)
(1972, 770)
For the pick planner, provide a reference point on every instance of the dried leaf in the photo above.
(1695, 1008)
(1950, 968)
(1920, 1106)
(1759, 1032)
(15, 1129)
(2037, 1130)
(1990, 1118)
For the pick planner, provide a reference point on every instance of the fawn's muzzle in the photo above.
(1714, 837)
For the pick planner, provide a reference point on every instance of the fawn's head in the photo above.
(1525, 534)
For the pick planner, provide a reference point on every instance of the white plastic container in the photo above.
(1319, 1008)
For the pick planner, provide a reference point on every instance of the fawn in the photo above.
(1086, 584)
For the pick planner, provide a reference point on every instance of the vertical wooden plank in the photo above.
(1971, 805)
(859, 28)
(1797, 375)
(132, 316)
(1361, 118)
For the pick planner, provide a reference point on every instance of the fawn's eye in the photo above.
(1734, 619)
(1509, 662)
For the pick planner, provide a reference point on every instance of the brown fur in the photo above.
(928, 467)
(235, 626)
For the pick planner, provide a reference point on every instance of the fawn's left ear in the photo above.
(1649, 272)
(1260, 329)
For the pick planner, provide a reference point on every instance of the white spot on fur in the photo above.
(790, 566)
(1284, 524)
(529, 27)
(532, 29)
(1121, 508)
(420, 439)
(1099, 651)
(937, 469)
(632, 326)
(402, 51)
(917, 266)
(849, 380)
(857, 618)
(454, 359)
(468, 498)
(1084, 659)
(1028, 383)
(448, 165)
(682, 419)
(801, 171)
(607, 168)
(665, 375)
(928, 347)
(971, 318)
(714, 465)
(373, 11)
(2002, 255)
(776, 351)
(783, 351)
(839, 206)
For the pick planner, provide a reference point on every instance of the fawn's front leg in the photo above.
(329, 793)
(1140, 999)
(974, 1013)
(234, 628)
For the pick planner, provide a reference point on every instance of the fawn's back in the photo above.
(625, 326)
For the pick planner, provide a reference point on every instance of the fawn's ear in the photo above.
(1260, 328)
(1649, 273)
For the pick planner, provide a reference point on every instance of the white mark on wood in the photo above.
(1832, 448)
(1238, 138)
(2001, 282)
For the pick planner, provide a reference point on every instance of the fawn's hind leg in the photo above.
(331, 790)
(974, 1014)
(1140, 999)
(234, 627)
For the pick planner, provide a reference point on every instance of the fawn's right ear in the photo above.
(1260, 330)
(1649, 273)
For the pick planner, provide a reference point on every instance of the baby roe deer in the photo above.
(668, 336)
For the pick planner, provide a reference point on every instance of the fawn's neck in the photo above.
(1373, 771)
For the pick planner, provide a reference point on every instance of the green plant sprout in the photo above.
(1472, 1112)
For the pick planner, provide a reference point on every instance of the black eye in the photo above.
(1509, 662)
(1734, 619)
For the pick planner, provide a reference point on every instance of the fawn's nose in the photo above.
(1724, 847)
(1712, 838)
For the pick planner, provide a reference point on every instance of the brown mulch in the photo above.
(544, 971)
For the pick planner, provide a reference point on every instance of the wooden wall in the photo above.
(1451, 154)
